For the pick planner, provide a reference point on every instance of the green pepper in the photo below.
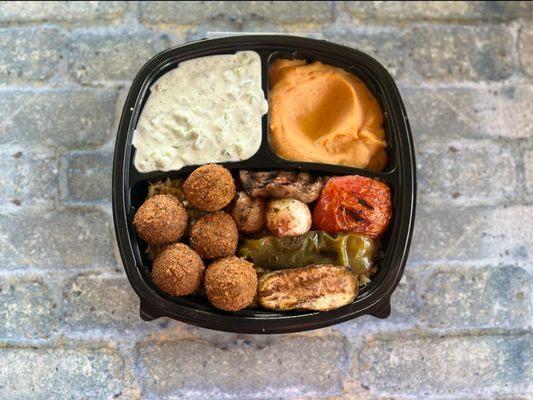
(353, 251)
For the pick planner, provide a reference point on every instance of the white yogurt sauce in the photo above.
(206, 110)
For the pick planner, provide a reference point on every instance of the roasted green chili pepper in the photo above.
(353, 251)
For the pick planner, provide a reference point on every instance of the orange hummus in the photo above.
(320, 113)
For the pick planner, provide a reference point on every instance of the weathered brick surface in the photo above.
(110, 54)
(526, 50)
(27, 176)
(459, 112)
(27, 308)
(22, 11)
(30, 54)
(472, 233)
(483, 297)
(386, 45)
(188, 12)
(243, 369)
(489, 364)
(100, 302)
(528, 164)
(69, 321)
(56, 239)
(464, 172)
(403, 300)
(60, 374)
(404, 310)
(440, 10)
(452, 53)
(56, 117)
(88, 176)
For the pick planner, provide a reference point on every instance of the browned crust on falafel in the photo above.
(209, 187)
(214, 235)
(231, 283)
(178, 270)
(160, 220)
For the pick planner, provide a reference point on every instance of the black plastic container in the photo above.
(130, 186)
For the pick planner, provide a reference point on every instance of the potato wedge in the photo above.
(315, 287)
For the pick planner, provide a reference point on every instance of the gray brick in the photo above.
(179, 34)
(60, 374)
(27, 176)
(465, 172)
(27, 308)
(190, 12)
(505, 397)
(386, 45)
(30, 54)
(403, 303)
(100, 302)
(66, 117)
(243, 369)
(489, 364)
(480, 297)
(439, 10)
(21, 11)
(473, 233)
(88, 176)
(525, 46)
(403, 311)
(110, 55)
(460, 53)
(57, 239)
(456, 113)
(528, 165)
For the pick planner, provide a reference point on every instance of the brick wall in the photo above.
(462, 316)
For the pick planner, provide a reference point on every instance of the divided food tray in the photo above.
(130, 186)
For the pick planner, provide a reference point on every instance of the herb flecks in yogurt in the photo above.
(207, 110)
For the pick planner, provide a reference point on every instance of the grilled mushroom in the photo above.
(282, 184)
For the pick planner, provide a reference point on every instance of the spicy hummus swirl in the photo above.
(320, 113)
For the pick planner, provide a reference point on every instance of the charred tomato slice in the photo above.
(355, 204)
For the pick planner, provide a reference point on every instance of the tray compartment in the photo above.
(374, 87)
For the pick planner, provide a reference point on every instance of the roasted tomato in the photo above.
(354, 204)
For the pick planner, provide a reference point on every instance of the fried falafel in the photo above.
(209, 187)
(178, 270)
(231, 283)
(214, 235)
(161, 219)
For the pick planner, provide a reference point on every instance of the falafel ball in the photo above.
(231, 283)
(178, 270)
(214, 235)
(161, 219)
(209, 187)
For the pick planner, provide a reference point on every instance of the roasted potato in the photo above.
(288, 217)
(315, 287)
(248, 212)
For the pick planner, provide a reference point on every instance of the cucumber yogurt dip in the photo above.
(207, 110)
